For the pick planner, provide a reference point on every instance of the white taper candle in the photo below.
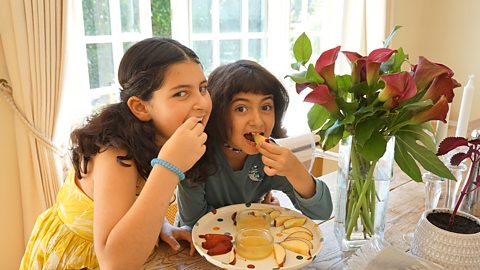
(465, 107)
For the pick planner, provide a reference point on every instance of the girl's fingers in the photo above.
(271, 147)
(269, 171)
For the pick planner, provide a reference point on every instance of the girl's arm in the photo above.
(281, 161)
(127, 227)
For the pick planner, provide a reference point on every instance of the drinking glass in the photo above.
(253, 219)
(254, 244)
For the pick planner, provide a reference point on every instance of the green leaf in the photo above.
(406, 163)
(332, 136)
(392, 34)
(365, 129)
(344, 83)
(425, 157)
(416, 105)
(374, 147)
(298, 77)
(317, 116)
(418, 133)
(296, 65)
(302, 49)
(313, 76)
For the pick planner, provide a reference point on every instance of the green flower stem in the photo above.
(362, 202)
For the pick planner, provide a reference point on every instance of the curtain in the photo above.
(32, 34)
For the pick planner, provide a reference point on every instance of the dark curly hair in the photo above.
(141, 72)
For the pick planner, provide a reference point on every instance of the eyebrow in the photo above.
(186, 85)
(247, 100)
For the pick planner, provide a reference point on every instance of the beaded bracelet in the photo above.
(168, 165)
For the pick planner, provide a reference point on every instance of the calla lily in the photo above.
(442, 85)
(398, 87)
(322, 96)
(374, 60)
(325, 66)
(437, 112)
(425, 72)
(357, 62)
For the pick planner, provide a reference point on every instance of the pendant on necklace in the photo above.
(254, 174)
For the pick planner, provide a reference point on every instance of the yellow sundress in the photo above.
(62, 237)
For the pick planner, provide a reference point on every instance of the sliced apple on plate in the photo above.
(294, 222)
(274, 214)
(278, 221)
(296, 246)
(232, 259)
(310, 245)
(303, 235)
(296, 229)
(279, 254)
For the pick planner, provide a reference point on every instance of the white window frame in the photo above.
(116, 38)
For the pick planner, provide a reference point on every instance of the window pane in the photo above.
(161, 18)
(96, 17)
(204, 50)
(127, 45)
(230, 16)
(256, 15)
(255, 49)
(201, 16)
(103, 100)
(129, 15)
(314, 7)
(295, 11)
(100, 65)
(230, 51)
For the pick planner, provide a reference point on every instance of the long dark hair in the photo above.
(243, 76)
(141, 72)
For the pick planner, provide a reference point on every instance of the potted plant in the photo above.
(449, 237)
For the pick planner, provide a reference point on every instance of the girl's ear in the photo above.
(139, 108)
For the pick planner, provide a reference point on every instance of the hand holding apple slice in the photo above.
(258, 138)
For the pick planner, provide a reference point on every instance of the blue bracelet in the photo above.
(168, 165)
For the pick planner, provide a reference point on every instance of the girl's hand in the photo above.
(186, 146)
(270, 199)
(171, 234)
(279, 160)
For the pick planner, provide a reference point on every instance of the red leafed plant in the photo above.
(472, 153)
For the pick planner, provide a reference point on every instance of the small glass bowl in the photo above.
(254, 244)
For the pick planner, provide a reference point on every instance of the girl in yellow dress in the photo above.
(127, 161)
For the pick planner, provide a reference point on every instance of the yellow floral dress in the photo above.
(62, 237)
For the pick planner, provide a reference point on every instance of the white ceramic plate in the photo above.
(220, 221)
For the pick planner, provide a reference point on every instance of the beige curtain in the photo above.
(32, 35)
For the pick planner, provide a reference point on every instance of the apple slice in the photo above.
(278, 221)
(294, 222)
(296, 229)
(296, 246)
(275, 214)
(303, 235)
(232, 259)
(309, 244)
(258, 138)
(279, 254)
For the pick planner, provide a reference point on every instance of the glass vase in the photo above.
(362, 196)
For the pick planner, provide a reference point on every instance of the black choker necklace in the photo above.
(235, 150)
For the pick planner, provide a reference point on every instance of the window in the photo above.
(110, 27)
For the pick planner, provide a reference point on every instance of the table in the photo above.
(405, 206)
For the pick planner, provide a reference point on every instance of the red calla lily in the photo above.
(398, 87)
(436, 112)
(322, 96)
(325, 66)
(425, 72)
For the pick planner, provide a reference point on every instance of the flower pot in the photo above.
(362, 197)
(449, 249)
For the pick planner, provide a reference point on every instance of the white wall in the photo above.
(11, 222)
(444, 31)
